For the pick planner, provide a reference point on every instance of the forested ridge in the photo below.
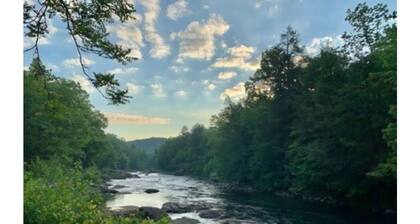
(322, 126)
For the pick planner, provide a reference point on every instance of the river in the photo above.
(244, 207)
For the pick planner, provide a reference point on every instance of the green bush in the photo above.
(55, 193)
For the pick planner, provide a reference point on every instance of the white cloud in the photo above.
(235, 93)
(316, 44)
(179, 68)
(300, 60)
(121, 118)
(258, 4)
(75, 62)
(53, 67)
(273, 9)
(133, 88)
(270, 5)
(179, 81)
(177, 9)
(238, 57)
(123, 71)
(179, 61)
(84, 83)
(157, 90)
(159, 48)
(197, 40)
(211, 86)
(226, 75)
(129, 35)
(223, 44)
(180, 93)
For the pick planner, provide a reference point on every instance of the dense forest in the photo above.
(323, 126)
(67, 153)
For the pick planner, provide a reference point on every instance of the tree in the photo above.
(369, 24)
(323, 126)
(59, 120)
(86, 23)
(385, 80)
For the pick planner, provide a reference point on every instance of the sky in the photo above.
(192, 54)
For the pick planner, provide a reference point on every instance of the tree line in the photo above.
(322, 125)
(60, 123)
(67, 154)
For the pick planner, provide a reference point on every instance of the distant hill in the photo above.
(149, 144)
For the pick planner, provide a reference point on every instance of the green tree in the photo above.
(320, 126)
(86, 23)
(59, 120)
(369, 24)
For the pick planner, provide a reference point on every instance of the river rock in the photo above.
(201, 206)
(106, 190)
(173, 207)
(185, 220)
(125, 211)
(211, 214)
(151, 191)
(151, 213)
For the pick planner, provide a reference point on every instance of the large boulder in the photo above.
(185, 220)
(201, 206)
(173, 207)
(106, 190)
(151, 213)
(211, 214)
(125, 211)
(151, 191)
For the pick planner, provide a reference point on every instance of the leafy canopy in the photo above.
(86, 23)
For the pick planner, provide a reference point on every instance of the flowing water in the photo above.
(242, 207)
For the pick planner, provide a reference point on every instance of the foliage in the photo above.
(55, 193)
(86, 23)
(323, 125)
(186, 153)
(65, 151)
(58, 117)
(61, 123)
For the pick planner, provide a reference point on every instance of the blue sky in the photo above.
(193, 53)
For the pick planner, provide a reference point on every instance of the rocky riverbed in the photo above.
(188, 200)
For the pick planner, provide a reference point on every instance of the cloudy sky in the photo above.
(192, 54)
